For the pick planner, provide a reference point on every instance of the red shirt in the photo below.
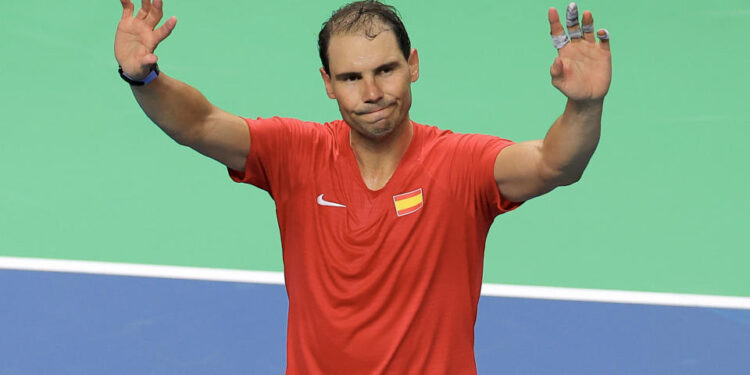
(379, 282)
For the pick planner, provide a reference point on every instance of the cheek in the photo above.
(399, 88)
(347, 97)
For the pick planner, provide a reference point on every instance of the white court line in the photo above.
(142, 270)
(615, 296)
(264, 277)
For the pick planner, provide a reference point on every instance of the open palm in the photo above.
(583, 68)
(137, 37)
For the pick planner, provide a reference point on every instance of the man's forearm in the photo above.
(571, 141)
(176, 107)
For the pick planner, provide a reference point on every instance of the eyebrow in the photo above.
(346, 75)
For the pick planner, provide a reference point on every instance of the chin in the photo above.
(378, 130)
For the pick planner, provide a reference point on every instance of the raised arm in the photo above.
(178, 109)
(582, 71)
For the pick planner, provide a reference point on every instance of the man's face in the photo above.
(371, 80)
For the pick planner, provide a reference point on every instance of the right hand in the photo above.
(136, 39)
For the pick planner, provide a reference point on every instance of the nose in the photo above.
(372, 92)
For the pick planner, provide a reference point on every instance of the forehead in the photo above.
(356, 52)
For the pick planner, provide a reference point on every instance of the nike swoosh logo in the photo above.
(324, 202)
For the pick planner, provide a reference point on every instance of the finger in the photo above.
(145, 8)
(603, 35)
(559, 38)
(163, 32)
(155, 13)
(127, 8)
(588, 27)
(571, 20)
(555, 26)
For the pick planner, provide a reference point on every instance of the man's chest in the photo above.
(339, 198)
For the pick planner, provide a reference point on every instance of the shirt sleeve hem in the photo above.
(503, 205)
(243, 176)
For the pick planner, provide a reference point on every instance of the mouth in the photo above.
(376, 111)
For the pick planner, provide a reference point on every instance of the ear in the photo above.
(414, 65)
(327, 82)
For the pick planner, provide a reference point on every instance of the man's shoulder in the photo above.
(431, 132)
(436, 137)
(443, 141)
(329, 128)
(295, 126)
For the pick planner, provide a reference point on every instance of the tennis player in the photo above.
(383, 219)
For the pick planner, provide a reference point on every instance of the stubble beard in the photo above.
(377, 131)
(384, 128)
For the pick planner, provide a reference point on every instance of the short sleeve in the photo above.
(280, 148)
(474, 166)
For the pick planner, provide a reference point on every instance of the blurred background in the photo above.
(662, 207)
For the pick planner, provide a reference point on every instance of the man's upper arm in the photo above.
(520, 172)
(225, 138)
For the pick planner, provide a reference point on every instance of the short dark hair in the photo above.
(369, 16)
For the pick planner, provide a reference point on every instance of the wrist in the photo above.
(134, 81)
(584, 106)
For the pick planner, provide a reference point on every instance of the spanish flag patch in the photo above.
(407, 203)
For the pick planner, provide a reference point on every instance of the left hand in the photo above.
(582, 71)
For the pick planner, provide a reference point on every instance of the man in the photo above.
(383, 220)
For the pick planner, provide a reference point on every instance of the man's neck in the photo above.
(378, 159)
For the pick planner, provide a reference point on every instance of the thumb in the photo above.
(556, 70)
(149, 60)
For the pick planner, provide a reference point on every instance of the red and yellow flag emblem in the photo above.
(407, 203)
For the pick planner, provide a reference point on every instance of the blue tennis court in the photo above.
(68, 323)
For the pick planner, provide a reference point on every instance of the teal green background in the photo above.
(661, 207)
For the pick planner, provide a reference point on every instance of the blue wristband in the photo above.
(134, 82)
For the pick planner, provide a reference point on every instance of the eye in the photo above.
(349, 78)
